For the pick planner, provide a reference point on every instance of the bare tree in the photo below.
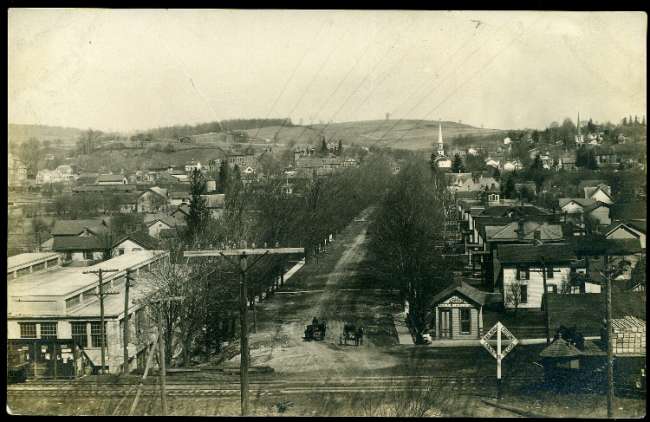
(513, 294)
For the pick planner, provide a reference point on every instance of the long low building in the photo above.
(28, 263)
(61, 303)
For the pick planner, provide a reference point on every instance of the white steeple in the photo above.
(441, 146)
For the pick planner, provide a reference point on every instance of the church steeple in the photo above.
(441, 145)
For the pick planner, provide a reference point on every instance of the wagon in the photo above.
(316, 330)
(350, 333)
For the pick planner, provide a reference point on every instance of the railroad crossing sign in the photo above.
(499, 354)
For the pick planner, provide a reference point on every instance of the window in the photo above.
(551, 288)
(73, 301)
(27, 330)
(549, 272)
(120, 251)
(523, 273)
(48, 330)
(96, 334)
(523, 294)
(79, 334)
(89, 294)
(465, 321)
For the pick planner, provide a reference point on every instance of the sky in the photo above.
(128, 70)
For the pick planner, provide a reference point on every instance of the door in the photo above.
(445, 323)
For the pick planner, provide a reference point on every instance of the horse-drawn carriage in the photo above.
(316, 330)
(351, 333)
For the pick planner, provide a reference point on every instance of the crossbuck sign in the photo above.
(499, 354)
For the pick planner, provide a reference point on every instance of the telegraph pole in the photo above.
(125, 333)
(161, 350)
(610, 346)
(101, 295)
(243, 301)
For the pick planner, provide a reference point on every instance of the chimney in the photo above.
(520, 229)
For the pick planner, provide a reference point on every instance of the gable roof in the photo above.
(591, 190)
(594, 206)
(475, 295)
(530, 254)
(157, 190)
(142, 239)
(583, 202)
(150, 219)
(184, 208)
(76, 227)
(519, 210)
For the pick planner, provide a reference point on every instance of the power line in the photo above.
(358, 86)
(356, 63)
(421, 86)
(428, 93)
(320, 69)
(482, 68)
(286, 84)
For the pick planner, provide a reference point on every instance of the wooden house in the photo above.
(457, 312)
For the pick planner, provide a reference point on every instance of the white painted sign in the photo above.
(499, 354)
(455, 302)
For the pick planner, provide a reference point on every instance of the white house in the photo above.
(600, 193)
(522, 269)
(135, 242)
(153, 199)
(492, 163)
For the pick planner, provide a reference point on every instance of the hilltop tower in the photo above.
(441, 145)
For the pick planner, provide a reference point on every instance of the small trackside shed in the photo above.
(457, 312)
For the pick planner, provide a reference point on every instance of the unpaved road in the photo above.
(328, 290)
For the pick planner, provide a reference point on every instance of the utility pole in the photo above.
(243, 301)
(610, 346)
(100, 272)
(161, 350)
(125, 338)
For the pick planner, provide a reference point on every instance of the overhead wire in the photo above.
(286, 84)
(481, 69)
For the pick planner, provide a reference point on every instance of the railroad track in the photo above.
(185, 388)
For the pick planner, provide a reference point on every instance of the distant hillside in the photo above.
(406, 134)
(20, 133)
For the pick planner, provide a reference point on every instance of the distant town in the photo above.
(529, 225)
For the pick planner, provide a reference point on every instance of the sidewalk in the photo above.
(294, 269)
(403, 333)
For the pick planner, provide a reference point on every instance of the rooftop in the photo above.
(551, 253)
(26, 259)
(110, 178)
(76, 227)
(64, 281)
(510, 231)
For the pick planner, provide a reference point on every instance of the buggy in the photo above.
(351, 333)
(316, 330)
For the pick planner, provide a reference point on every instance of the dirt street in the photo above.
(329, 290)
